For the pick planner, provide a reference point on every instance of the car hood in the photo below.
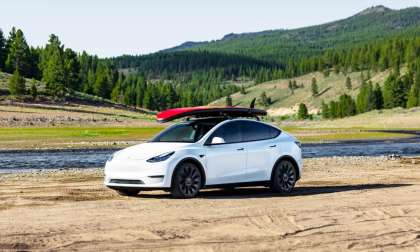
(147, 150)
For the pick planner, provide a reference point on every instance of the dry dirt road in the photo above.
(340, 204)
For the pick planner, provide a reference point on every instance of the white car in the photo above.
(205, 152)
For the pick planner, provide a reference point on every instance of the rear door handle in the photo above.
(240, 149)
(274, 145)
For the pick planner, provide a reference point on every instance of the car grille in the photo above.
(126, 181)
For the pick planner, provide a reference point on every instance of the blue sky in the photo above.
(115, 27)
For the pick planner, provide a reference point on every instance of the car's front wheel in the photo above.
(128, 191)
(284, 177)
(186, 182)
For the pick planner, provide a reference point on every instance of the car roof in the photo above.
(206, 111)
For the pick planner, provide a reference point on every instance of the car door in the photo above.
(261, 149)
(226, 162)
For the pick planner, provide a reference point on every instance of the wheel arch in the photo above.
(288, 158)
(196, 163)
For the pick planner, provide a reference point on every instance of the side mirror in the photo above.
(217, 140)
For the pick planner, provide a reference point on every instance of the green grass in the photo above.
(70, 136)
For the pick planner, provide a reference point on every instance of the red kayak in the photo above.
(206, 111)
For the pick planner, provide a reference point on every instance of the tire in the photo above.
(284, 177)
(186, 182)
(128, 191)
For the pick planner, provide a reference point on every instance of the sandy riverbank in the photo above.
(340, 203)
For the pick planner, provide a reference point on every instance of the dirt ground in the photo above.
(340, 204)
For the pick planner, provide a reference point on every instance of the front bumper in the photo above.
(137, 174)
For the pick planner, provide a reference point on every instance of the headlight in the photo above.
(299, 144)
(161, 157)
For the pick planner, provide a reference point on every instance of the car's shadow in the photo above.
(263, 192)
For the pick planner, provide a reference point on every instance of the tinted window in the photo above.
(185, 132)
(253, 131)
(230, 132)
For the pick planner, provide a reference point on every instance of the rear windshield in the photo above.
(187, 132)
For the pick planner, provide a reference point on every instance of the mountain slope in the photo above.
(285, 103)
(281, 45)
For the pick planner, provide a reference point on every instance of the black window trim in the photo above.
(206, 143)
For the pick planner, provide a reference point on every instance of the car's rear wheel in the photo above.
(186, 182)
(284, 177)
(128, 191)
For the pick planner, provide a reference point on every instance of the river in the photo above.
(17, 161)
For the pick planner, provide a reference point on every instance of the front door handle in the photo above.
(240, 149)
(274, 145)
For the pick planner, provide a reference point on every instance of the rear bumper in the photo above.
(137, 174)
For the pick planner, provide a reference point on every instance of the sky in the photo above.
(115, 27)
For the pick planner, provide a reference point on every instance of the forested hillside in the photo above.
(282, 46)
(63, 71)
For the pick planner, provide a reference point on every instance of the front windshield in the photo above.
(188, 132)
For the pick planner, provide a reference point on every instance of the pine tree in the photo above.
(72, 70)
(17, 84)
(264, 99)
(388, 91)
(116, 94)
(33, 91)
(243, 90)
(53, 69)
(325, 111)
(2, 50)
(302, 112)
(346, 106)
(18, 56)
(148, 99)
(414, 94)
(229, 101)
(348, 83)
(314, 87)
(333, 109)
(90, 82)
(102, 86)
(140, 88)
(295, 85)
(291, 88)
(365, 100)
(378, 97)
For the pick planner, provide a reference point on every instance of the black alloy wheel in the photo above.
(187, 181)
(284, 177)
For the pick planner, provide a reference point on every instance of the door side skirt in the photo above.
(241, 184)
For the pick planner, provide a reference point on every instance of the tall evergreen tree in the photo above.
(414, 94)
(17, 84)
(378, 97)
(325, 111)
(314, 87)
(346, 106)
(33, 91)
(18, 56)
(2, 50)
(102, 86)
(243, 90)
(90, 82)
(72, 70)
(291, 88)
(348, 83)
(264, 99)
(302, 112)
(364, 100)
(388, 91)
(53, 68)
